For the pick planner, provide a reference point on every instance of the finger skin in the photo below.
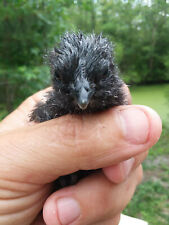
(39, 220)
(70, 143)
(118, 173)
(33, 155)
(114, 221)
(22, 210)
(97, 192)
(128, 95)
(20, 116)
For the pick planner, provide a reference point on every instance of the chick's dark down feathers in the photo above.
(84, 79)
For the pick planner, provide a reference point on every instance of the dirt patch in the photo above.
(157, 170)
(160, 160)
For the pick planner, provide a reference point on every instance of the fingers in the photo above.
(114, 221)
(127, 94)
(21, 209)
(90, 201)
(20, 116)
(71, 143)
(119, 172)
(39, 220)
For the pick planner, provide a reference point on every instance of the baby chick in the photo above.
(84, 79)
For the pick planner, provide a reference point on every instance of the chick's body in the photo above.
(85, 80)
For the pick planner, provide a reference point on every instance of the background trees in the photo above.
(139, 31)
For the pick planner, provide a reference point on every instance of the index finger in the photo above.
(20, 116)
(71, 143)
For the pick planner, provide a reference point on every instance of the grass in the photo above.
(150, 203)
(151, 200)
(154, 96)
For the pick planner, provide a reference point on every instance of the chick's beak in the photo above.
(83, 105)
(83, 98)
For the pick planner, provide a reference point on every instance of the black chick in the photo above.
(85, 80)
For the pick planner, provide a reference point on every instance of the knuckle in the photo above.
(72, 131)
(81, 136)
(71, 128)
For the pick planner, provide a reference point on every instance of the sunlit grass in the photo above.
(155, 96)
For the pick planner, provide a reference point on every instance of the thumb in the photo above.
(42, 152)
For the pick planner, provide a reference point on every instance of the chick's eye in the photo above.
(105, 72)
(58, 75)
(101, 75)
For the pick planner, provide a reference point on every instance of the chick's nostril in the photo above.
(87, 89)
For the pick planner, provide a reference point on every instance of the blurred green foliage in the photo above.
(27, 29)
(138, 30)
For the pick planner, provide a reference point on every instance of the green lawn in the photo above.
(151, 200)
(155, 96)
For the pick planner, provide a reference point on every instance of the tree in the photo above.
(27, 29)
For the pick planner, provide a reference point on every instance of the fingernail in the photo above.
(68, 210)
(135, 125)
(127, 166)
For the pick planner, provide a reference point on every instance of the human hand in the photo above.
(32, 156)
